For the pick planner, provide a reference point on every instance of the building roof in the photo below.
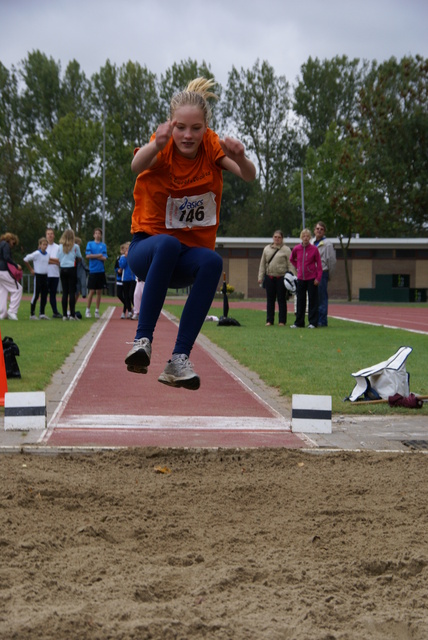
(356, 243)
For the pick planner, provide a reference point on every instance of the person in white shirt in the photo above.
(53, 271)
(40, 260)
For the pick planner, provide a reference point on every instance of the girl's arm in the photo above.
(146, 156)
(29, 267)
(235, 160)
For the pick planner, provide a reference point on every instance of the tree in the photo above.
(75, 92)
(69, 169)
(40, 100)
(256, 110)
(327, 93)
(140, 104)
(21, 211)
(394, 131)
(335, 189)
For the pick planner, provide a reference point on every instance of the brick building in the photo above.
(367, 258)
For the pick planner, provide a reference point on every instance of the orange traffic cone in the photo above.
(3, 377)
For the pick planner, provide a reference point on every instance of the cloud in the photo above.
(224, 33)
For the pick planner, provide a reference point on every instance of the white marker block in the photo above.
(311, 414)
(24, 411)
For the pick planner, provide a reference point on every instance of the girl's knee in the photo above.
(167, 244)
(214, 262)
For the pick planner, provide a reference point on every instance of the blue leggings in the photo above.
(163, 262)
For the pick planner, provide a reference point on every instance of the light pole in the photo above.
(104, 174)
(303, 199)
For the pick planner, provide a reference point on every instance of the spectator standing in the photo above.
(275, 261)
(53, 271)
(8, 285)
(128, 283)
(81, 276)
(306, 258)
(40, 259)
(68, 254)
(96, 254)
(118, 272)
(328, 261)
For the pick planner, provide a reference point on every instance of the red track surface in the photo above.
(408, 317)
(107, 398)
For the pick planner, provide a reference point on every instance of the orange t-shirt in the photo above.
(181, 196)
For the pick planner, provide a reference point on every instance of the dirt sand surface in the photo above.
(178, 544)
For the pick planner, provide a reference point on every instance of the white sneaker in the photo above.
(311, 326)
(97, 313)
(123, 316)
(43, 317)
(12, 316)
(179, 373)
(138, 358)
(87, 313)
(34, 317)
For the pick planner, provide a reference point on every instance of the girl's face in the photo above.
(189, 130)
(277, 239)
(306, 238)
(44, 245)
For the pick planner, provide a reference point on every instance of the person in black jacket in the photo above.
(8, 285)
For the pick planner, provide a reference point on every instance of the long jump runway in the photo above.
(107, 406)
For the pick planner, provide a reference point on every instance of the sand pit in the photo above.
(174, 544)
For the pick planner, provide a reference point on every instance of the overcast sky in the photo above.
(223, 33)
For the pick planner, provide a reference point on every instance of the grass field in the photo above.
(43, 344)
(318, 362)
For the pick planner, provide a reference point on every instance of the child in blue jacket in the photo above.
(128, 283)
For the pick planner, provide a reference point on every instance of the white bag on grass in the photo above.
(384, 379)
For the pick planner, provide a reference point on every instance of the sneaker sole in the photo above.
(192, 383)
(138, 361)
(136, 368)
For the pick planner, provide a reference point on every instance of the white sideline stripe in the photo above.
(123, 422)
(378, 324)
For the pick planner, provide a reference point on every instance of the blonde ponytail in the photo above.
(197, 93)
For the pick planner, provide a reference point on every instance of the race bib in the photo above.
(191, 211)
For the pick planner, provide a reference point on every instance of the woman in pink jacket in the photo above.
(306, 258)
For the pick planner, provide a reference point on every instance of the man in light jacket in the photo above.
(274, 263)
(328, 259)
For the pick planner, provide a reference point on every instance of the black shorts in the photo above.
(96, 281)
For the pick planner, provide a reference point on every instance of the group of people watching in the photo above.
(51, 263)
(312, 263)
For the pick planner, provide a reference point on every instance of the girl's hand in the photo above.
(235, 160)
(233, 149)
(163, 134)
